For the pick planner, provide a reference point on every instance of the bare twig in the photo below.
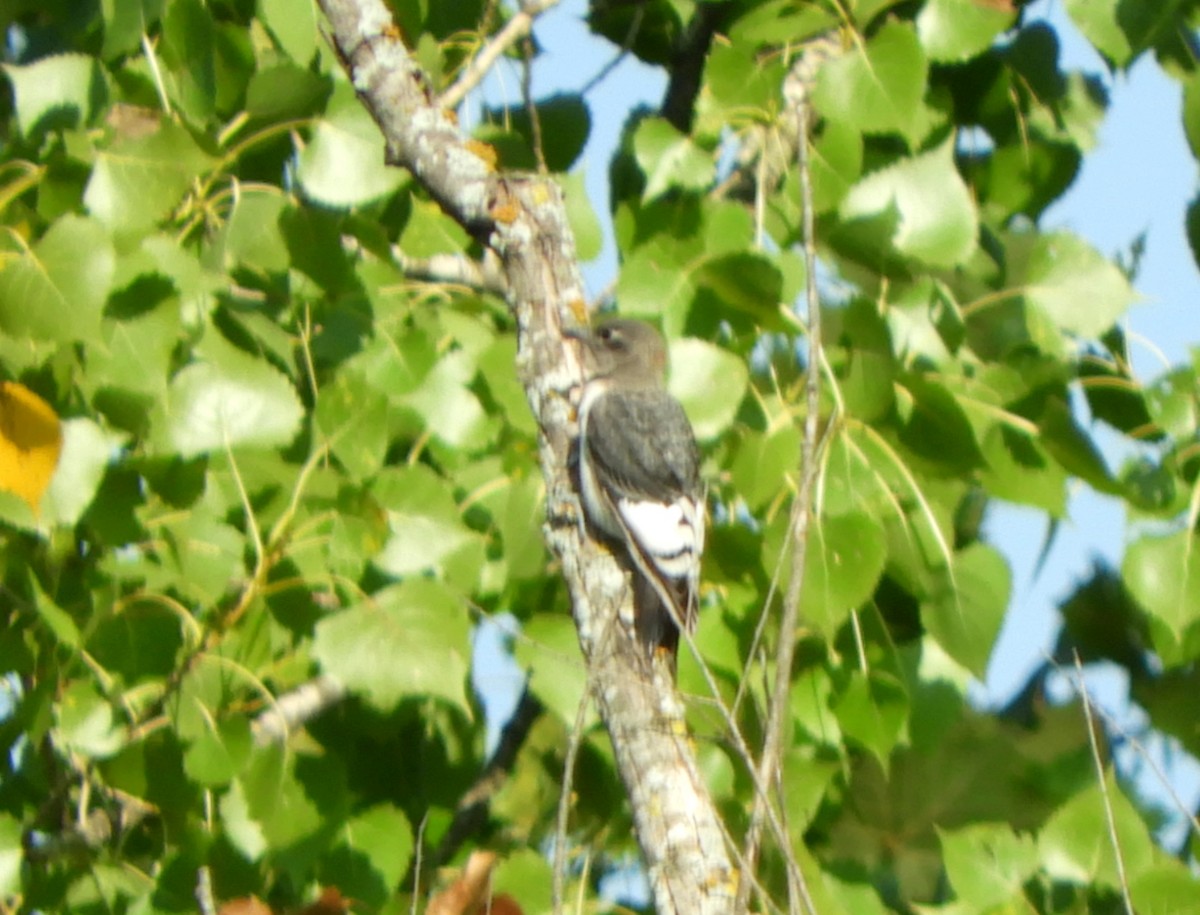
(535, 119)
(796, 88)
(564, 803)
(514, 30)
(472, 810)
(1109, 816)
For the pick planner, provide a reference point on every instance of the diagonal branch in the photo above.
(522, 219)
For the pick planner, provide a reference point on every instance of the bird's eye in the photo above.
(606, 333)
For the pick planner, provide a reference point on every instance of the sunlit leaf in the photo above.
(63, 90)
(419, 621)
(965, 614)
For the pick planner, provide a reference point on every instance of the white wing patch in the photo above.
(671, 534)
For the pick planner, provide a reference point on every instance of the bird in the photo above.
(639, 474)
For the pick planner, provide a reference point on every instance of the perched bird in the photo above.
(639, 473)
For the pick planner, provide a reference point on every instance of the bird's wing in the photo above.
(644, 457)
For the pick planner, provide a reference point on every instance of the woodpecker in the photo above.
(639, 473)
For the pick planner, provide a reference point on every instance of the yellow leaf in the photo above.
(30, 442)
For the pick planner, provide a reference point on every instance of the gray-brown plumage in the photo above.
(639, 472)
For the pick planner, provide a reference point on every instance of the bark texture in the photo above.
(522, 219)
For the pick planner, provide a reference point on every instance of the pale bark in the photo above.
(521, 218)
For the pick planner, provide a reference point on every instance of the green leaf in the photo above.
(253, 236)
(408, 640)
(294, 27)
(763, 462)
(873, 711)
(426, 529)
(352, 418)
(57, 290)
(1171, 402)
(877, 87)
(1073, 448)
(1019, 470)
(125, 21)
(87, 451)
(565, 124)
(1163, 573)
(1191, 114)
(445, 402)
(669, 159)
(140, 642)
(56, 619)
(710, 382)
(842, 565)
(1076, 843)
(285, 799)
(217, 755)
(937, 429)
(12, 854)
(1121, 30)
(988, 863)
(133, 354)
(285, 91)
(342, 165)
(965, 614)
(589, 236)
(370, 854)
(229, 400)
(739, 86)
(747, 281)
(868, 389)
(836, 163)
(662, 278)
(86, 724)
(139, 181)
(1068, 280)
(525, 875)
(937, 220)
(955, 30)
(189, 53)
(549, 651)
(57, 92)
(1163, 889)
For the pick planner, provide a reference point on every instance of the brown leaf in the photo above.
(330, 902)
(503, 904)
(466, 895)
(245, 905)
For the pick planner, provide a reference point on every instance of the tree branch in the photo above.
(296, 707)
(687, 66)
(522, 218)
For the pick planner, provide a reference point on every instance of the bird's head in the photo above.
(622, 349)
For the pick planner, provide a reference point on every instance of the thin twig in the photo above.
(472, 811)
(770, 765)
(514, 30)
(535, 120)
(1109, 816)
(564, 803)
(635, 25)
(486, 275)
